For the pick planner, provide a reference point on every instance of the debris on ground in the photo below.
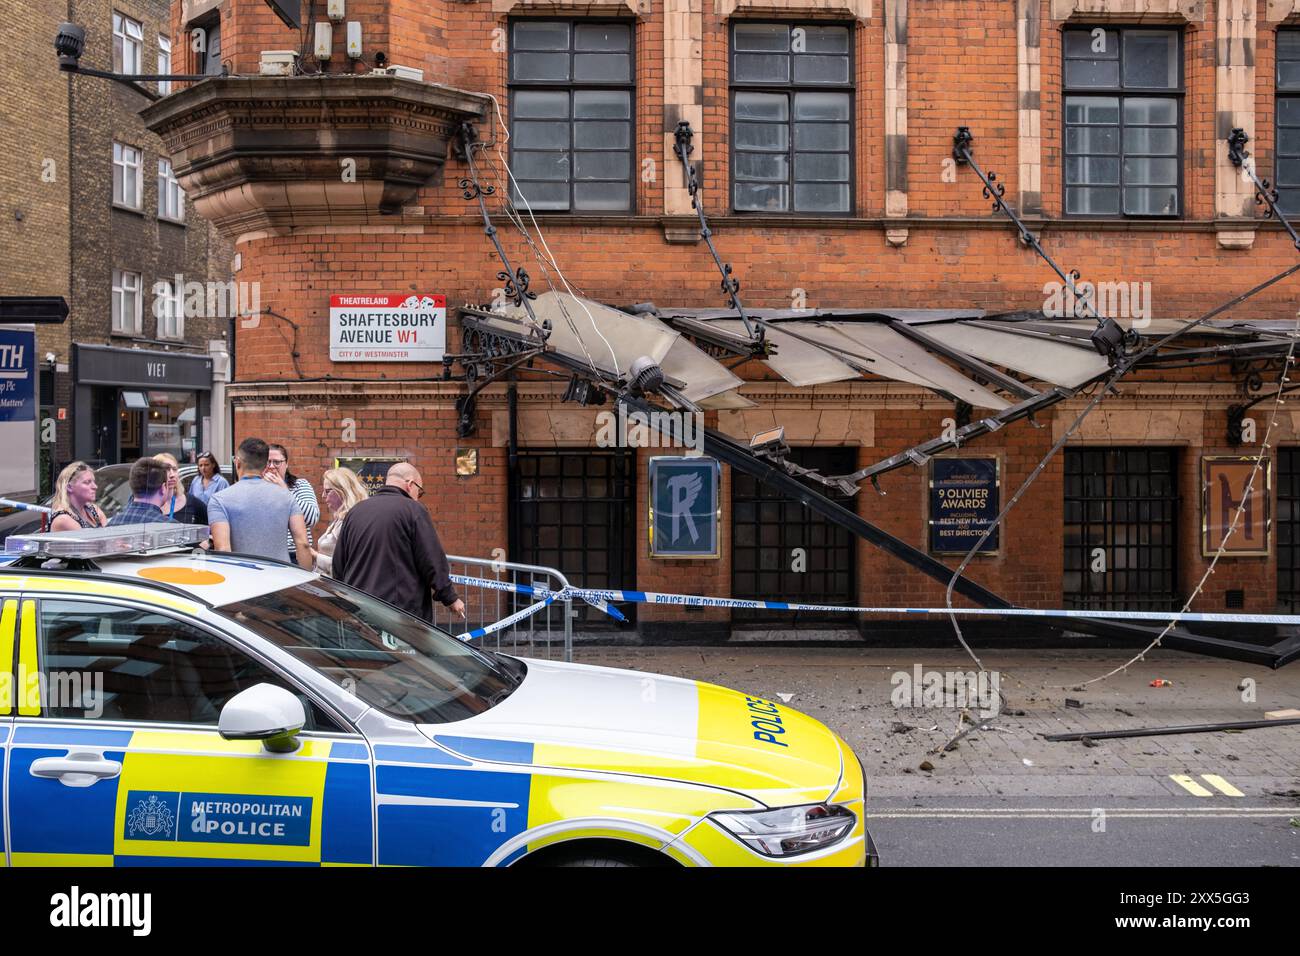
(901, 728)
(926, 766)
(785, 698)
(1126, 713)
(1161, 682)
(1071, 702)
(1026, 761)
(1289, 714)
(1087, 741)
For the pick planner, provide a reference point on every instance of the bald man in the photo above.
(388, 547)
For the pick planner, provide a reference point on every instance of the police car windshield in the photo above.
(392, 661)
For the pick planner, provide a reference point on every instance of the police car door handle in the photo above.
(76, 769)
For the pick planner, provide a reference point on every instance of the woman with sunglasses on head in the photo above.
(74, 499)
(341, 489)
(179, 506)
(209, 480)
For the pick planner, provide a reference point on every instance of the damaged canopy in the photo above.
(997, 362)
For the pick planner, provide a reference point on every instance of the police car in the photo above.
(162, 705)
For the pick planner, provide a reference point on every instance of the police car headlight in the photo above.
(788, 830)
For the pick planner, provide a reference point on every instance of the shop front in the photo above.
(134, 402)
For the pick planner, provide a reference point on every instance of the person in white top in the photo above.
(341, 489)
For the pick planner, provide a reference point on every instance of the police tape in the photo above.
(599, 603)
(24, 506)
(592, 595)
(512, 619)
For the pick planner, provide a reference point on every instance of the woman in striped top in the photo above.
(277, 471)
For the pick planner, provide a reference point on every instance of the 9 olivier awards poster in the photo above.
(388, 328)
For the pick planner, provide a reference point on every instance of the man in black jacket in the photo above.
(388, 547)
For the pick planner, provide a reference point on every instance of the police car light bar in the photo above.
(105, 542)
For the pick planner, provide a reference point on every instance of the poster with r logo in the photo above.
(684, 506)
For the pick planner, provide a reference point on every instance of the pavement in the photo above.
(1004, 795)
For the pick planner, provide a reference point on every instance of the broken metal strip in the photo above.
(1168, 731)
(964, 361)
(707, 333)
(1072, 337)
(920, 454)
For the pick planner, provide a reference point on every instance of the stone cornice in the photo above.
(269, 153)
(857, 394)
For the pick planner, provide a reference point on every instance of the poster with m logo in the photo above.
(1236, 496)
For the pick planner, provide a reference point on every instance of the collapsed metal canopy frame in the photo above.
(495, 345)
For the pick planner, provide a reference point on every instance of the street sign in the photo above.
(388, 328)
(33, 309)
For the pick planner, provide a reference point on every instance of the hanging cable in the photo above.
(509, 201)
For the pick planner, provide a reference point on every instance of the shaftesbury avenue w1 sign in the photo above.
(388, 328)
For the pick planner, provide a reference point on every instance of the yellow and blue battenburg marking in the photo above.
(437, 809)
(190, 798)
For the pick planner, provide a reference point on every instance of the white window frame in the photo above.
(169, 307)
(127, 284)
(164, 63)
(171, 198)
(128, 44)
(123, 166)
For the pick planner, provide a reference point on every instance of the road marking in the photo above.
(1218, 783)
(1075, 813)
(1203, 810)
(1190, 785)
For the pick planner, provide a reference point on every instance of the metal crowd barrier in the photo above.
(548, 629)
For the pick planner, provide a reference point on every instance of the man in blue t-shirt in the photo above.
(253, 515)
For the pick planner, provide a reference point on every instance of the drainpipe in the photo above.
(219, 416)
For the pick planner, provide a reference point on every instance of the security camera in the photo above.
(69, 44)
(49, 358)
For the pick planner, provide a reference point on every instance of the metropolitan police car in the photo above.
(162, 705)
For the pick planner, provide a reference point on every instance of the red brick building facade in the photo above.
(916, 233)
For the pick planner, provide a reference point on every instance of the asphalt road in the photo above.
(1008, 797)
(1042, 831)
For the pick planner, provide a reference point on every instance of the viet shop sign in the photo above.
(684, 506)
(388, 328)
(964, 500)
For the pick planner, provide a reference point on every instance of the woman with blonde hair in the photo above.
(187, 509)
(342, 491)
(74, 499)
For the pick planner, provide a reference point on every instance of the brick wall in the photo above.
(962, 62)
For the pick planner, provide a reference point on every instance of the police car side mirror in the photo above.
(263, 712)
